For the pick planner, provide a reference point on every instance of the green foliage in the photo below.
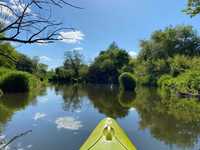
(147, 73)
(73, 62)
(187, 83)
(11, 59)
(172, 51)
(179, 64)
(73, 70)
(16, 81)
(171, 41)
(62, 75)
(107, 66)
(164, 81)
(127, 82)
(7, 55)
(193, 8)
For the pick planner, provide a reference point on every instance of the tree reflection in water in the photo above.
(11, 103)
(163, 122)
(72, 95)
(169, 119)
(105, 99)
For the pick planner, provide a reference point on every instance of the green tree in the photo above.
(169, 42)
(107, 66)
(168, 51)
(193, 8)
(74, 62)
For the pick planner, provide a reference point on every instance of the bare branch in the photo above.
(15, 138)
(32, 21)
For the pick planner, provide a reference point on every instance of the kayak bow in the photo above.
(108, 136)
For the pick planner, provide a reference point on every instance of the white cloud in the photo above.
(68, 123)
(71, 37)
(4, 10)
(45, 58)
(15, 5)
(19, 6)
(133, 54)
(78, 48)
(39, 116)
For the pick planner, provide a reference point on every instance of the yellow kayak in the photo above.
(108, 136)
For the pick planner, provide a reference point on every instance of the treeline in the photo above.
(18, 72)
(170, 58)
(105, 69)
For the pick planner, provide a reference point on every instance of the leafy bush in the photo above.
(186, 83)
(17, 81)
(127, 82)
(164, 81)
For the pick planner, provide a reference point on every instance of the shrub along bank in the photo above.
(17, 81)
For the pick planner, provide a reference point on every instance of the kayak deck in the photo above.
(108, 136)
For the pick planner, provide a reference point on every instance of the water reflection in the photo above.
(171, 121)
(11, 103)
(68, 123)
(164, 125)
(126, 99)
(105, 99)
(72, 96)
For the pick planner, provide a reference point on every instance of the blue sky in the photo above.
(102, 21)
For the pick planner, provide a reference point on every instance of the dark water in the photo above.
(62, 118)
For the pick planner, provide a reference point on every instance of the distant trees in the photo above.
(73, 70)
(73, 62)
(106, 67)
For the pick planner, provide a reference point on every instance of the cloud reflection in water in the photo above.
(68, 123)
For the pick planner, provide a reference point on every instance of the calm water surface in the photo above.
(62, 117)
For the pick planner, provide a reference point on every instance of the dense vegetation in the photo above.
(19, 73)
(105, 69)
(17, 81)
(169, 59)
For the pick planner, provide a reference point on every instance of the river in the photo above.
(61, 117)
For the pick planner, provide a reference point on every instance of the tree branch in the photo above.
(15, 138)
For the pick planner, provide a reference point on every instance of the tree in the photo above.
(166, 43)
(31, 21)
(74, 62)
(193, 8)
(106, 67)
